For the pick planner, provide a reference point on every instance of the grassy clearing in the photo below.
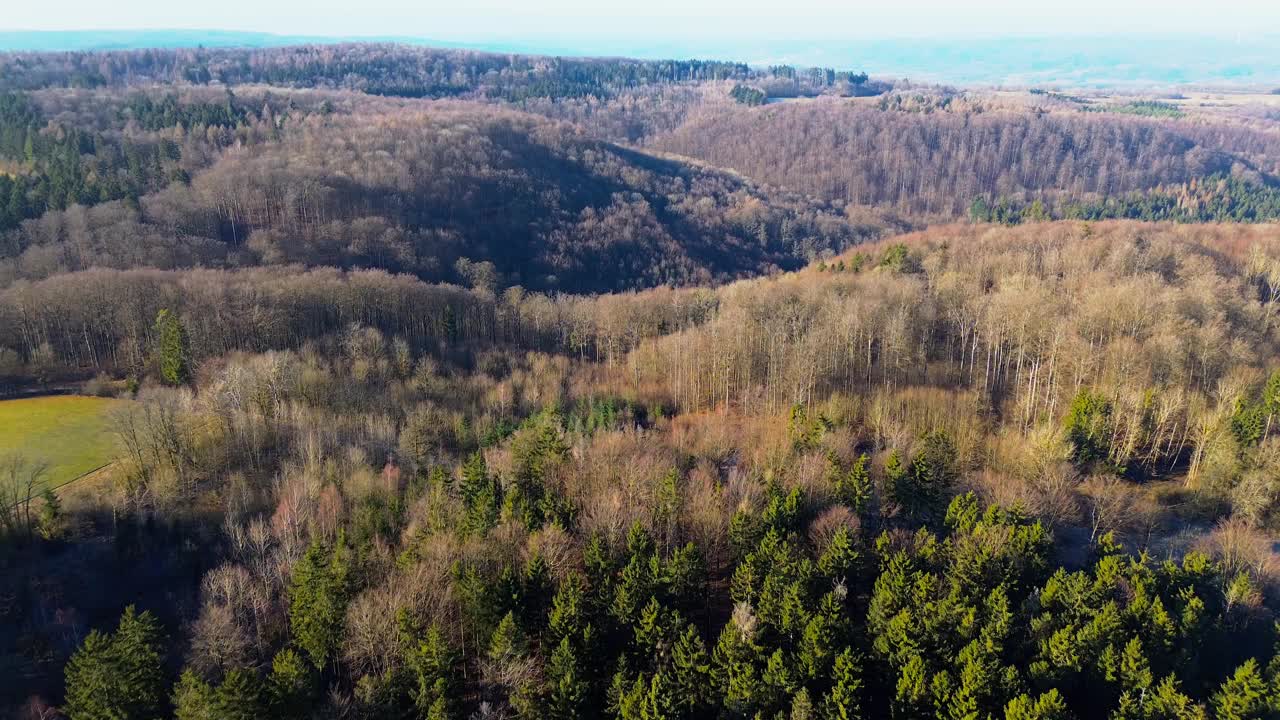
(72, 433)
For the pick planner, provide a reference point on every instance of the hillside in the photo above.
(933, 157)
(680, 462)
(434, 384)
(446, 191)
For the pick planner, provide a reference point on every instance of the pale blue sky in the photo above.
(462, 20)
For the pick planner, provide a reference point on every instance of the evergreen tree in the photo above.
(433, 664)
(51, 522)
(291, 686)
(193, 698)
(1245, 696)
(240, 696)
(1048, 706)
(568, 691)
(481, 495)
(843, 702)
(118, 676)
(173, 355)
(318, 595)
(736, 664)
(854, 487)
(92, 681)
(691, 672)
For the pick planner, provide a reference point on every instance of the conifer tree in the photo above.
(119, 675)
(291, 685)
(1245, 696)
(318, 595)
(173, 355)
(433, 664)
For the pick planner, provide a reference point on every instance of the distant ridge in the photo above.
(1132, 60)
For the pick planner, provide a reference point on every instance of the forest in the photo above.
(454, 385)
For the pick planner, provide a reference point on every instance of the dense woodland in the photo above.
(937, 163)
(559, 388)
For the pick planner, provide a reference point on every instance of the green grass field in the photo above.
(72, 433)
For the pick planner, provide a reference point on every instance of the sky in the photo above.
(604, 20)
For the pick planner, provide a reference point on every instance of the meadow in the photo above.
(71, 433)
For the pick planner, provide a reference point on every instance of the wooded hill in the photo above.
(937, 163)
(736, 502)
(451, 191)
(480, 386)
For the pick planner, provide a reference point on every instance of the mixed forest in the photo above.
(458, 385)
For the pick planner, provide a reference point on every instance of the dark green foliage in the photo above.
(1088, 428)
(844, 700)
(535, 449)
(1048, 706)
(173, 353)
(1144, 108)
(980, 211)
(291, 685)
(1216, 198)
(481, 495)
(167, 112)
(193, 698)
(748, 95)
(806, 429)
(51, 522)
(434, 668)
(1246, 695)
(1249, 422)
(924, 485)
(69, 166)
(568, 692)
(118, 676)
(853, 488)
(897, 257)
(318, 594)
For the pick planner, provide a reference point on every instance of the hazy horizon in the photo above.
(1015, 59)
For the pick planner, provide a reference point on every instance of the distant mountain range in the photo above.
(1078, 61)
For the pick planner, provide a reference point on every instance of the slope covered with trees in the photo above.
(477, 386)
(459, 192)
(937, 163)
(909, 480)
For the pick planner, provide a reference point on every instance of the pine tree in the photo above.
(1048, 706)
(854, 487)
(172, 352)
(51, 522)
(193, 698)
(568, 612)
(138, 646)
(736, 663)
(119, 675)
(481, 495)
(568, 691)
(92, 681)
(433, 664)
(839, 560)
(291, 686)
(1245, 696)
(240, 696)
(844, 700)
(508, 641)
(691, 672)
(318, 595)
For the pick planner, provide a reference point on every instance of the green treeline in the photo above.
(1218, 198)
(747, 95)
(966, 617)
(53, 166)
